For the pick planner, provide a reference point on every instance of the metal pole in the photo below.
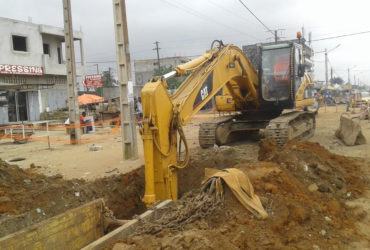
(73, 108)
(128, 127)
(157, 49)
(276, 36)
(349, 79)
(326, 68)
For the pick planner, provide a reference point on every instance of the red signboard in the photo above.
(93, 81)
(21, 70)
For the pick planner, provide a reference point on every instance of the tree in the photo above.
(172, 83)
(108, 81)
(337, 80)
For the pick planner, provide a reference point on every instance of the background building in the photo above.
(144, 69)
(32, 69)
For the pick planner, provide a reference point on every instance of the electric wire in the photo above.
(188, 10)
(259, 20)
(345, 35)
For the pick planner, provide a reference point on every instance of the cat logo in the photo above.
(204, 93)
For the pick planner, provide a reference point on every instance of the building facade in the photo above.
(33, 75)
(144, 69)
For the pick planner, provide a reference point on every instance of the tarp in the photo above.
(88, 98)
(241, 187)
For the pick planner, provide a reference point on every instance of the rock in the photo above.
(224, 230)
(94, 147)
(323, 232)
(334, 207)
(241, 219)
(240, 240)
(27, 181)
(271, 188)
(327, 218)
(56, 176)
(188, 239)
(38, 210)
(323, 168)
(299, 214)
(315, 247)
(4, 199)
(313, 187)
(323, 188)
(266, 242)
(121, 246)
(313, 165)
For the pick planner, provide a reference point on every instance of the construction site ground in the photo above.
(316, 193)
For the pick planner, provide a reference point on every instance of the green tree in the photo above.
(108, 81)
(337, 80)
(172, 83)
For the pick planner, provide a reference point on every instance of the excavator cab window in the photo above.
(276, 72)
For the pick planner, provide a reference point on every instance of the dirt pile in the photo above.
(302, 186)
(27, 197)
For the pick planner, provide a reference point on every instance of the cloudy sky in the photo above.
(188, 27)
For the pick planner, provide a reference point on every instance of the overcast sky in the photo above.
(188, 27)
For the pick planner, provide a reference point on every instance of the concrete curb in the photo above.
(130, 227)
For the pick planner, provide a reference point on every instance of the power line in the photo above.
(202, 16)
(245, 6)
(333, 37)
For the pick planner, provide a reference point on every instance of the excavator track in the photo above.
(207, 131)
(297, 125)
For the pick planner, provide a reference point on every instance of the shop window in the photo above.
(46, 48)
(19, 43)
(59, 56)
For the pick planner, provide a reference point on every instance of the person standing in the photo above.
(139, 108)
(347, 101)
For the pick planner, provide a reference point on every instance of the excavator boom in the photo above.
(164, 115)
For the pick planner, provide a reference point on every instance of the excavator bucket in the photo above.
(349, 130)
(239, 184)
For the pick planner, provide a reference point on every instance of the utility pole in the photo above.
(74, 118)
(326, 68)
(97, 68)
(349, 79)
(157, 49)
(276, 36)
(128, 125)
(331, 74)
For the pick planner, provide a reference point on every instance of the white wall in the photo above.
(35, 39)
(33, 56)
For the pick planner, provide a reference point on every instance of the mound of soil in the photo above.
(302, 186)
(27, 197)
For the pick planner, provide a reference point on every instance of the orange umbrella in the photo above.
(87, 98)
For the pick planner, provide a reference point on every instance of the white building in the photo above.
(32, 69)
(144, 69)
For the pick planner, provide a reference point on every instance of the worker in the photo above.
(347, 101)
(85, 123)
(139, 108)
(82, 117)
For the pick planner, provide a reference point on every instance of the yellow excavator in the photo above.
(271, 95)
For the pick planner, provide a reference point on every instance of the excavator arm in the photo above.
(164, 115)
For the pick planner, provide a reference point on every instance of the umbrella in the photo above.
(87, 99)
(327, 87)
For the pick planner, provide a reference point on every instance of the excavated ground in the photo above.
(303, 187)
(27, 197)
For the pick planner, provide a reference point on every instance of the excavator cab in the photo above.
(281, 73)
